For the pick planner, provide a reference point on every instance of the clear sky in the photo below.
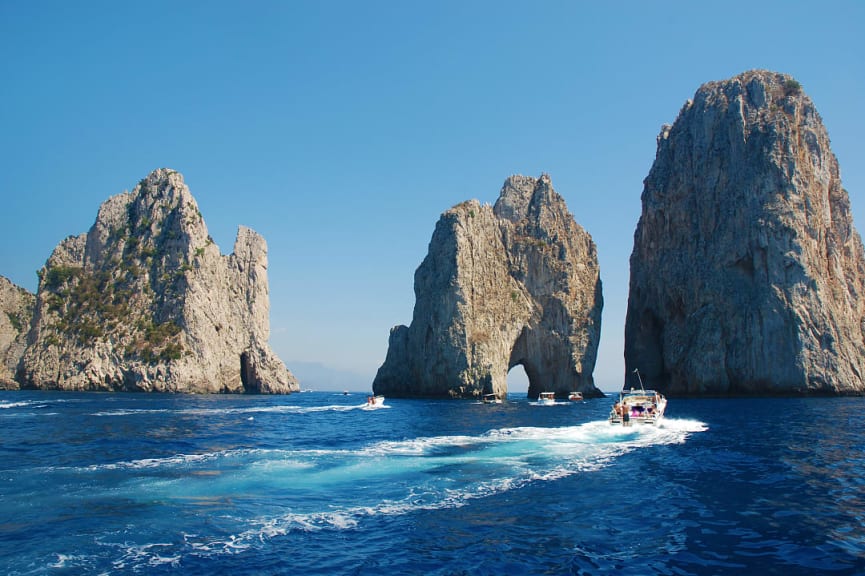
(341, 130)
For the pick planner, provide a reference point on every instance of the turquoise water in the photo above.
(317, 483)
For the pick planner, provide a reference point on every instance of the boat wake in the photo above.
(246, 496)
(279, 492)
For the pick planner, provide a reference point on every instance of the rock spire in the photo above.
(513, 284)
(144, 301)
(747, 276)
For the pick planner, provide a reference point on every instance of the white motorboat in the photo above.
(638, 405)
(547, 398)
(375, 401)
(492, 399)
(575, 396)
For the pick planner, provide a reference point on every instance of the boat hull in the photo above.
(546, 399)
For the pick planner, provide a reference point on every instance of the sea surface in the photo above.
(317, 483)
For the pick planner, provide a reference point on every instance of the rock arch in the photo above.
(512, 284)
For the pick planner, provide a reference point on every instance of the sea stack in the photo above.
(144, 301)
(16, 313)
(747, 274)
(512, 284)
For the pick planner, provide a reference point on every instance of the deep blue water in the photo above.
(313, 483)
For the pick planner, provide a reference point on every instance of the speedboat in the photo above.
(547, 398)
(638, 405)
(492, 399)
(575, 396)
(375, 401)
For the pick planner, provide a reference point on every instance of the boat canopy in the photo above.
(639, 394)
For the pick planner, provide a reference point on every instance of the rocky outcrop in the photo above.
(747, 274)
(145, 302)
(16, 312)
(513, 284)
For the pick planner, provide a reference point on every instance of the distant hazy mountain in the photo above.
(317, 376)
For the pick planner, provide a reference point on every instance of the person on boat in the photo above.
(626, 416)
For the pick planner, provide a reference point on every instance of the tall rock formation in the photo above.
(513, 284)
(145, 302)
(747, 274)
(16, 312)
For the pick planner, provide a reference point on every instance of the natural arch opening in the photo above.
(526, 376)
(518, 380)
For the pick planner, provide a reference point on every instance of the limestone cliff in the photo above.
(16, 312)
(145, 302)
(513, 284)
(747, 274)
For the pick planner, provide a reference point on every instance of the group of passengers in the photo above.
(626, 411)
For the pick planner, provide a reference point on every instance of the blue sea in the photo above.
(317, 483)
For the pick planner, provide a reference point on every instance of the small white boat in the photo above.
(575, 396)
(492, 399)
(641, 406)
(547, 398)
(375, 401)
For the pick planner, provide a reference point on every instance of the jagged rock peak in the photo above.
(747, 276)
(514, 284)
(16, 313)
(516, 194)
(145, 301)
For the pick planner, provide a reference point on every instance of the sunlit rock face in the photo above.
(144, 301)
(16, 313)
(512, 284)
(747, 273)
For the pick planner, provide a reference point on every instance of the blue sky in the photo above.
(341, 130)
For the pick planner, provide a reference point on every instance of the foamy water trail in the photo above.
(556, 444)
(328, 487)
(6, 405)
(261, 494)
(31, 408)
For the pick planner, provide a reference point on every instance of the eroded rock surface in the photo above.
(513, 284)
(145, 302)
(747, 274)
(16, 312)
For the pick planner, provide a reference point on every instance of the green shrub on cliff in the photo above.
(57, 276)
(791, 87)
